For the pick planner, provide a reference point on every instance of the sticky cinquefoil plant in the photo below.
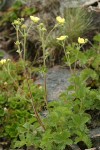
(22, 107)
(60, 122)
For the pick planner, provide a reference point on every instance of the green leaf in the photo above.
(1, 54)
(19, 144)
(3, 99)
(82, 57)
(86, 73)
(60, 137)
(97, 38)
(29, 139)
(2, 113)
(96, 62)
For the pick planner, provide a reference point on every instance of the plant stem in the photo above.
(67, 57)
(45, 76)
(29, 28)
(17, 34)
(34, 108)
(44, 65)
(25, 36)
(51, 32)
(25, 73)
(45, 89)
(69, 64)
(76, 62)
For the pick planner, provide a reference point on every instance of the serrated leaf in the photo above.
(97, 38)
(86, 73)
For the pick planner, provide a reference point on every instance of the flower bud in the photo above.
(17, 43)
(5, 110)
(68, 53)
(5, 83)
(23, 26)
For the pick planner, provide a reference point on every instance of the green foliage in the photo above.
(15, 101)
(1, 54)
(61, 124)
(23, 104)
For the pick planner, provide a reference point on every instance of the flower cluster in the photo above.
(18, 22)
(3, 61)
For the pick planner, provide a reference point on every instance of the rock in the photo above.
(5, 4)
(57, 81)
(90, 2)
(96, 20)
(75, 147)
(91, 149)
(95, 136)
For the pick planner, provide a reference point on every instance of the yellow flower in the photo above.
(61, 38)
(34, 19)
(60, 20)
(82, 41)
(3, 61)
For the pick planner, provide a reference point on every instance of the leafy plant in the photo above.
(26, 116)
(15, 105)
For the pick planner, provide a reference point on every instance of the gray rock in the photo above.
(57, 81)
(91, 149)
(95, 136)
(95, 133)
(5, 4)
(75, 147)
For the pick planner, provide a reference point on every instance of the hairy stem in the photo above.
(17, 34)
(42, 37)
(25, 37)
(67, 57)
(34, 108)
